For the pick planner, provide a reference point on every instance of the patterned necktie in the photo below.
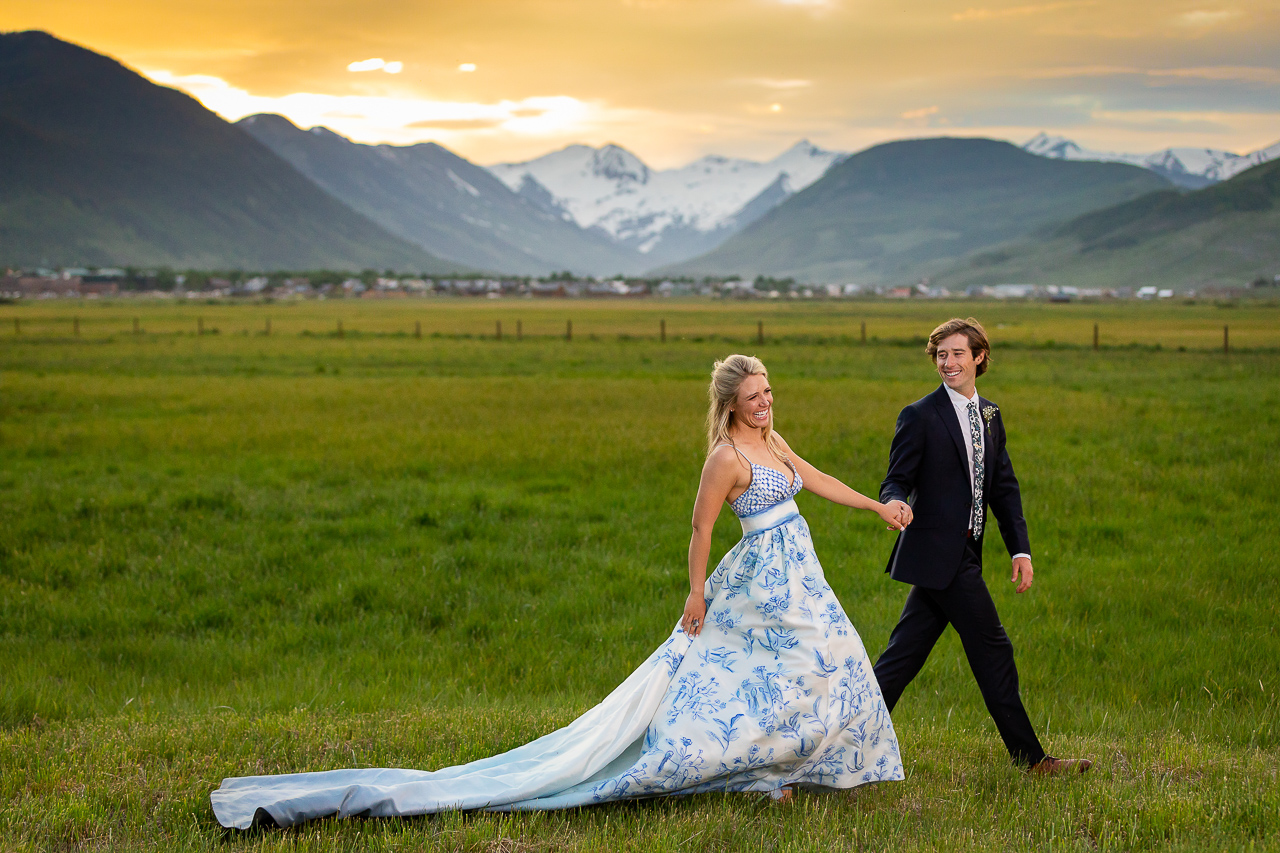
(975, 438)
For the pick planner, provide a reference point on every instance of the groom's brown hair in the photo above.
(972, 330)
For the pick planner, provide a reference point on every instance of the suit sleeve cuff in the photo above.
(1016, 556)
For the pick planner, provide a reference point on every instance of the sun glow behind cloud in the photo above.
(376, 65)
(404, 119)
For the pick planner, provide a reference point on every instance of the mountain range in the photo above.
(1186, 167)
(99, 166)
(1221, 235)
(665, 215)
(449, 206)
(900, 211)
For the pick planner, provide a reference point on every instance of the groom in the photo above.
(948, 463)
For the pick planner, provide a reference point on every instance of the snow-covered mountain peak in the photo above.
(803, 148)
(1191, 167)
(1054, 147)
(804, 163)
(611, 189)
(618, 164)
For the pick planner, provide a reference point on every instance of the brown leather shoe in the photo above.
(1050, 766)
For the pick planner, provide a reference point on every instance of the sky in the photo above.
(672, 80)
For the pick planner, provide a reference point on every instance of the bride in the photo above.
(763, 686)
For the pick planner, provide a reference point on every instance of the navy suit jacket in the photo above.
(929, 470)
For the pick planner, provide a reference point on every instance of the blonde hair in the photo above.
(727, 377)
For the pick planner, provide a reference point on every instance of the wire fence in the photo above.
(1254, 327)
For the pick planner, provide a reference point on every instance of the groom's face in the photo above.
(956, 364)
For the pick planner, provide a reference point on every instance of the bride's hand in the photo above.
(695, 614)
(896, 514)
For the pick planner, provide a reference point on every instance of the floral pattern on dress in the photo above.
(777, 690)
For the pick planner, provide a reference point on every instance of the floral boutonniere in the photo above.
(988, 412)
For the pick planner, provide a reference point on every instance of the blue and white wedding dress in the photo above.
(776, 691)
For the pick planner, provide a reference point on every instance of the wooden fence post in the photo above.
(662, 330)
(340, 334)
(568, 330)
(760, 331)
(864, 331)
(199, 325)
(417, 328)
(267, 330)
(497, 330)
(1226, 341)
(519, 331)
(1095, 336)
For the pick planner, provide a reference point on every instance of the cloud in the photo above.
(680, 78)
(924, 112)
(408, 119)
(1222, 89)
(456, 123)
(1250, 74)
(1207, 18)
(1070, 71)
(1163, 122)
(1018, 11)
(1228, 73)
(772, 83)
(376, 65)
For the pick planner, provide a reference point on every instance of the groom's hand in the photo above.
(902, 513)
(1021, 573)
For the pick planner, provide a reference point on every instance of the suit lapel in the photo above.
(948, 414)
(988, 444)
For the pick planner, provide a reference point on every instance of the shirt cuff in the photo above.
(1016, 556)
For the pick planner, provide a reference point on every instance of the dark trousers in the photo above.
(967, 605)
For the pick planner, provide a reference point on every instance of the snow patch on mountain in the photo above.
(611, 189)
(1188, 166)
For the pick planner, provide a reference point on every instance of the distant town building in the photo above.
(22, 286)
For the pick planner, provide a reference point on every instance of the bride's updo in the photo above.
(727, 377)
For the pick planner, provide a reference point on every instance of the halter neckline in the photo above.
(790, 480)
(761, 493)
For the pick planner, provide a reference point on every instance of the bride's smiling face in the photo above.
(754, 406)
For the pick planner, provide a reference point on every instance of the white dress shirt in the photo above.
(961, 404)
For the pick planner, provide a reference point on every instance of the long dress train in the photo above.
(776, 691)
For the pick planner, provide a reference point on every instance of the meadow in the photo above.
(410, 543)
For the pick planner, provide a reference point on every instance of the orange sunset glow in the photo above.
(674, 79)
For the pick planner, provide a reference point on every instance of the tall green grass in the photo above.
(234, 554)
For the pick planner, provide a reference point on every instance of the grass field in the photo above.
(239, 553)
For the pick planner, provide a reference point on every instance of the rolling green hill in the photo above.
(1226, 234)
(99, 166)
(903, 210)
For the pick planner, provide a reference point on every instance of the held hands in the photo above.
(1021, 569)
(896, 514)
(695, 614)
